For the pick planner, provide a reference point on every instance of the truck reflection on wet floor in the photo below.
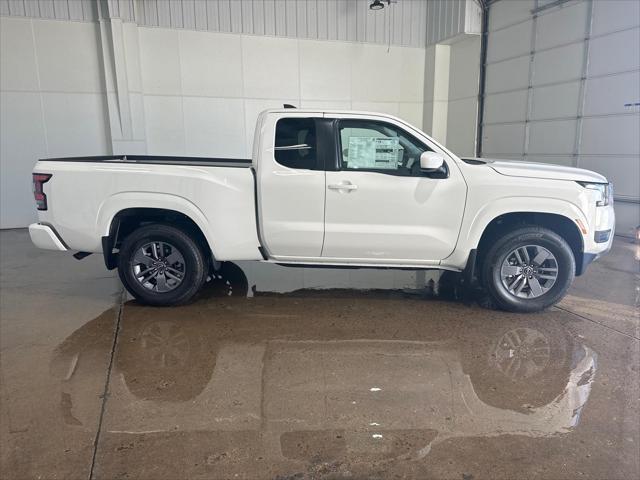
(332, 379)
(232, 280)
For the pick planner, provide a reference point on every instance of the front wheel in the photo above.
(529, 269)
(161, 265)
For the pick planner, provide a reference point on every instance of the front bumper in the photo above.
(599, 240)
(43, 236)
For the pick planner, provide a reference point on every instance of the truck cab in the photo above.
(349, 188)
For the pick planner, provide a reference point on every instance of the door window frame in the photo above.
(324, 142)
(443, 173)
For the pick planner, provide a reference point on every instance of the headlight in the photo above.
(605, 192)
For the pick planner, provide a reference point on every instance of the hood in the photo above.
(517, 168)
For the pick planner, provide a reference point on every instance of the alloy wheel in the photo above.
(529, 271)
(158, 266)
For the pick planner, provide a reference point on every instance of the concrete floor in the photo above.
(327, 384)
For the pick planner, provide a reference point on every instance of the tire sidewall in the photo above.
(529, 236)
(195, 272)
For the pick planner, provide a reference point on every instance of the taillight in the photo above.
(39, 179)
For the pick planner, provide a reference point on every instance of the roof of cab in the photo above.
(332, 111)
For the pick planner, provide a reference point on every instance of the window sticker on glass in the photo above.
(374, 152)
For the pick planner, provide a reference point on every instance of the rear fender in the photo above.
(122, 201)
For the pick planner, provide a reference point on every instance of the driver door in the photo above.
(380, 207)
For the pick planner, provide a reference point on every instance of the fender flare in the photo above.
(165, 201)
(473, 228)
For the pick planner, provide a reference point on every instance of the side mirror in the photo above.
(431, 161)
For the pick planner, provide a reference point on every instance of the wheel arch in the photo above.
(126, 220)
(558, 223)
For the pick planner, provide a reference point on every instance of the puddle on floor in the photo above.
(334, 376)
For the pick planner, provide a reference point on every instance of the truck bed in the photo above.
(158, 160)
(86, 193)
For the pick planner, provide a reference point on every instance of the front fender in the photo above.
(476, 222)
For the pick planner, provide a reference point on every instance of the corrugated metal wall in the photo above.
(415, 23)
(79, 10)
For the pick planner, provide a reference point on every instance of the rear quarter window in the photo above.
(296, 143)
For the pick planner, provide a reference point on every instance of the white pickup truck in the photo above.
(328, 188)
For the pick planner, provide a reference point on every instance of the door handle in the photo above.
(342, 186)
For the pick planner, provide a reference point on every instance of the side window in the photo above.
(295, 145)
(378, 146)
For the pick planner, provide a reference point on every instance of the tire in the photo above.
(539, 291)
(184, 261)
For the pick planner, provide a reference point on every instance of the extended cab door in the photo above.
(380, 207)
(291, 183)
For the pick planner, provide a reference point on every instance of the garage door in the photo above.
(563, 87)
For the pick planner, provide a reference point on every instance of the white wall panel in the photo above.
(381, 76)
(555, 101)
(617, 52)
(552, 137)
(164, 125)
(160, 61)
(210, 64)
(560, 26)
(461, 126)
(270, 67)
(611, 135)
(559, 64)
(23, 141)
(411, 112)
(67, 57)
(76, 124)
(390, 108)
(214, 127)
(510, 42)
(325, 70)
(462, 96)
(465, 67)
(326, 104)
(19, 70)
(612, 94)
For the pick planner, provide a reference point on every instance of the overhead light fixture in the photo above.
(377, 5)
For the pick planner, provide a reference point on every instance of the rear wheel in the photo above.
(161, 265)
(529, 269)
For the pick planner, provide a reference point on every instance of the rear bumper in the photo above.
(43, 236)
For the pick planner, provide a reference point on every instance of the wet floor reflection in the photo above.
(332, 377)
